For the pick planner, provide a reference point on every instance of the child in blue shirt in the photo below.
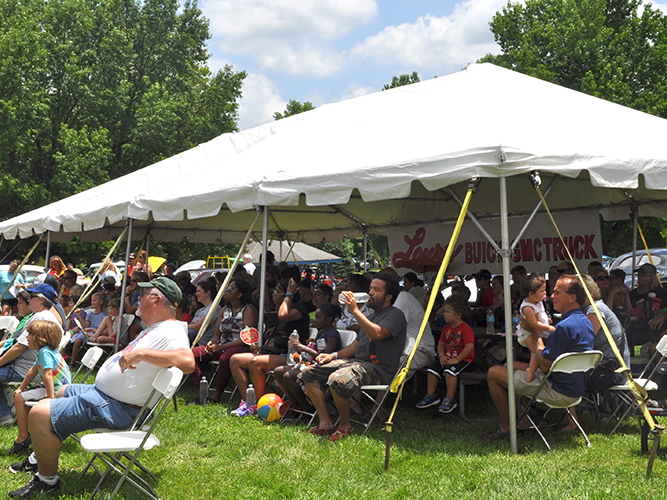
(43, 336)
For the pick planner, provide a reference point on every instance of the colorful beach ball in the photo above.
(268, 407)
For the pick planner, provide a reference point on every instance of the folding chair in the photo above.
(381, 390)
(347, 337)
(112, 447)
(67, 336)
(569, 362)
(8, 324)
(623, 390)
(89, 362)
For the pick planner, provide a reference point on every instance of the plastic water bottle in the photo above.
(250, 397)
(515, 320)
(131, 380)
(489, 322)
(203, 391)
(290, 352)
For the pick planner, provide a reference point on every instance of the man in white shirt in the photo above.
(248, 265)
(111, 402)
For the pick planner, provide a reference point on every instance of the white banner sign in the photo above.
(421, 247)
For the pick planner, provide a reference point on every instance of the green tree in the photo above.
(399, 81)
(601, 47)
(605, 48)
(92, 90)
(293, 108)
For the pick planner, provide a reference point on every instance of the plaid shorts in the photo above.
(343, 376)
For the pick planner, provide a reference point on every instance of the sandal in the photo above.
(19, 447)
(340, 434)
(495, 434)
(316, 431)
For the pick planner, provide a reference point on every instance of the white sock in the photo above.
(50, 480)
(32, 459)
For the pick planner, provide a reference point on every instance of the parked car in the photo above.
(659, 256)
(29, 272)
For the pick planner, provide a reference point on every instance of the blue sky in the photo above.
(329, 50)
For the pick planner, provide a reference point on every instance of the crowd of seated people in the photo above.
(384, 316)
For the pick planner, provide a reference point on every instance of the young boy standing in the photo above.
(456, 351)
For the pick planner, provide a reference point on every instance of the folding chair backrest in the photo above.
(347, 337)
(9, 323)
(662, 346)
(571, 362)
(167, 381)
(89, 361)
(409, 344)
(64, 341)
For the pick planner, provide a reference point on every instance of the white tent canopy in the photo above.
(383, 160)
(293, 253)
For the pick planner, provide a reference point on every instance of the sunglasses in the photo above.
(602, 278)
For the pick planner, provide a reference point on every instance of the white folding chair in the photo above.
(569, 362)
(89, 362)
(8, 324)
(381, 391)
(623, 390)
(64, 341)
(347, 337)
(113, 447)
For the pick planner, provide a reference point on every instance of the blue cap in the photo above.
(45, 290)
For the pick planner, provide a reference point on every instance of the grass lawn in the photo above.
(207, 453)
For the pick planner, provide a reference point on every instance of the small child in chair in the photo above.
(456, 351)
(44, 337)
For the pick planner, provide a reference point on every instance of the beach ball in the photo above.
(268, 407)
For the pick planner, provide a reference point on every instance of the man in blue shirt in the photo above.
(574, 333)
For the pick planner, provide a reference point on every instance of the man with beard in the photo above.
(373, 358)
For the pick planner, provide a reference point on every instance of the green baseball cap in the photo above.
(167, 287)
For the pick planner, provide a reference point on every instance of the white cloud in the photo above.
(284, 35)
(306, 59)
(436, 42)
(356, 90)
(252, 25)
(260, 100)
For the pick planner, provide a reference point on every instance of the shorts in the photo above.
(9, 302)
(547, 395)
(343, 376)
(454, 370)
(84, 407)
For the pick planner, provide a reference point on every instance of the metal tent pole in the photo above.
(48, 251)
(128, 249)
(262, 278)
(635, 223)
(507, 254)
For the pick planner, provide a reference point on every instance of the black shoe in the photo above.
(24, 466)
(19, 447)
(35, 486)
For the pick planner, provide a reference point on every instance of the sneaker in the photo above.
(448, 405)
(35, 486)
(24, 466)
(249, 410)
(19, 447)
(242, 407)
(428, 401)
(6, 420)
